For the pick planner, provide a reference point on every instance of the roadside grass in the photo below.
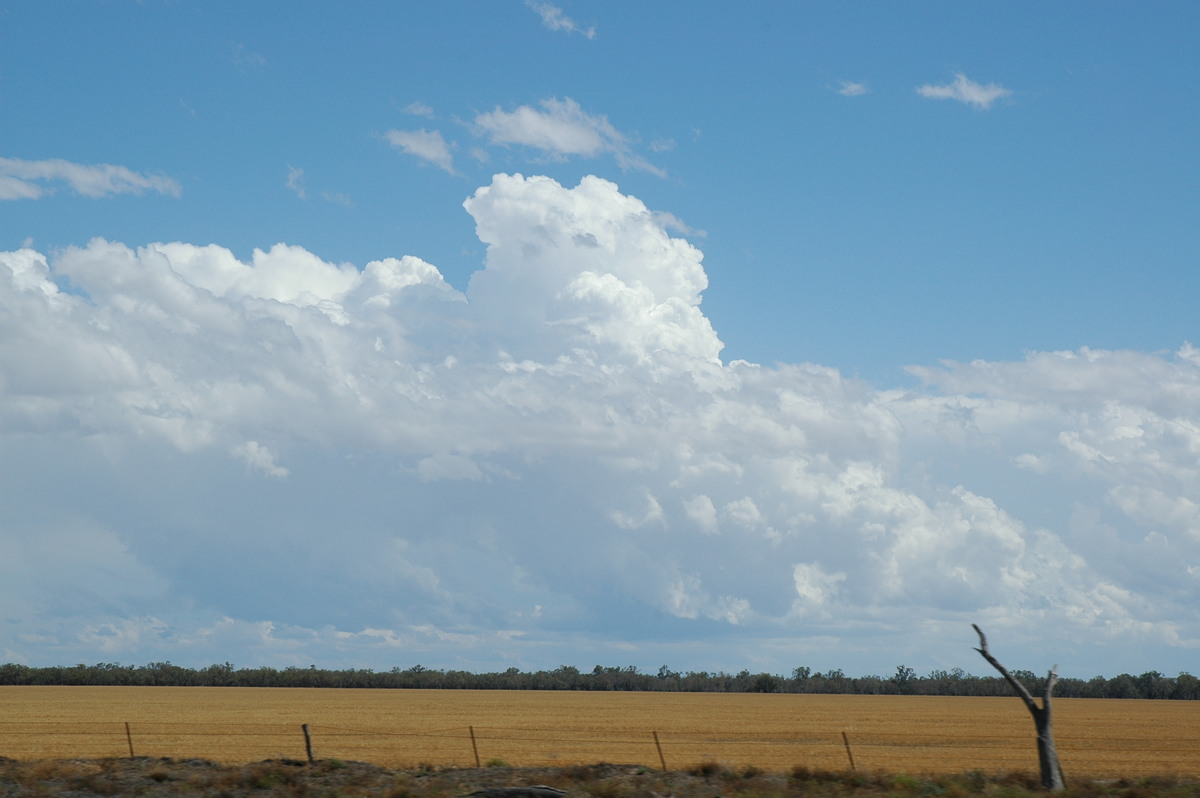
(179, 778)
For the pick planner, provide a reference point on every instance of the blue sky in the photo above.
(532, 333)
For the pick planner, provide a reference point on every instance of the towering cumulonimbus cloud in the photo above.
(589, 266)
(307, 461)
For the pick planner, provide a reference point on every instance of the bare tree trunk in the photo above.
(1051, 770)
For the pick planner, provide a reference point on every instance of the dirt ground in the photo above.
(151, 778)
(147, 777)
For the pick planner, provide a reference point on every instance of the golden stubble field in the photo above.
(402, 728)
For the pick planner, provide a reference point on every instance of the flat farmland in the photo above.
(404, 728)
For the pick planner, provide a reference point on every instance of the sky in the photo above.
(480, 334)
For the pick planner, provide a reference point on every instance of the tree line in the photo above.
(904, 681)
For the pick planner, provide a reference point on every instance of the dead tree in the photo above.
(1052, 777)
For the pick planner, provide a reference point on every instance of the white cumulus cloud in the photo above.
(260, 458)
(965, 90)
(561, 435)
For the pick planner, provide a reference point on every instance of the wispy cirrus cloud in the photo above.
(849, 88)
(295, 182)
(554, 19)
(428, 145)
(298, 185)
(418, 108)
(20, 179)
(965, 90)
(561, 128)
(245, 59)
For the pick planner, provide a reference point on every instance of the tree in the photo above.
(765, 683)
(1051, 770)
(904, 678)
(1187, 686)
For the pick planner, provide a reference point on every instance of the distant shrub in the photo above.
(707, 769)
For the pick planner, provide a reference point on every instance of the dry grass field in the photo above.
(776, 732)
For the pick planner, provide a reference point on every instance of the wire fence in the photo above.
(1176, 753)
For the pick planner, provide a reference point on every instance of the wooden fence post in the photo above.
(658, 745)
(129, 739)
(307, 743)
(474, 747)
(849, 753)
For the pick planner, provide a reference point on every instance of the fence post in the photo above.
(307, 743)
(658, 745)
(129, 739)
(474, 747)
(849, 753)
